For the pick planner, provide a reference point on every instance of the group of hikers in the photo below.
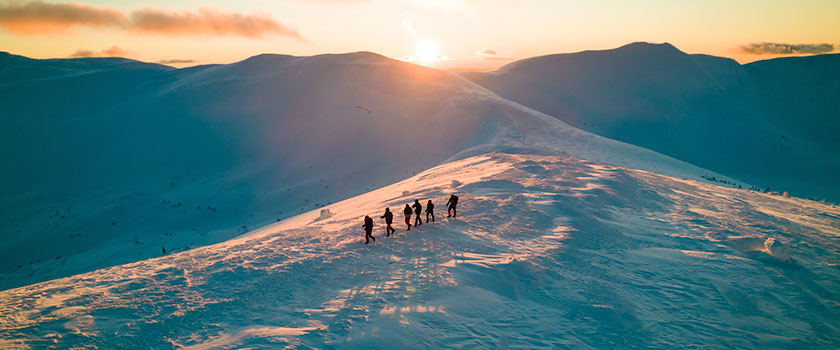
(417, 209)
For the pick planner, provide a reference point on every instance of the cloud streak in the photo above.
(407, 25)
(206, 21)
(113, 51)
(37, 17)
(489, 54)
(176, 61)
(785, 49)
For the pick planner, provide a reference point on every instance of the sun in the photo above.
(427, 50)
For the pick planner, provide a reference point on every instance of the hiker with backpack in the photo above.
(368, 225)
(418, 208)
(430, 211)
(407, 211)
(452, 203)
(389, 218)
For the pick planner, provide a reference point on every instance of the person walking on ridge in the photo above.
(407, 212)
(430, 210)
(418, 208)
(452, 203)
(389, 218)
(368, 225)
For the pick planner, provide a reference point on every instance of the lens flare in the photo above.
(427, 51)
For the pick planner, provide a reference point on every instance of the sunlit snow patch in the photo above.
(545, 252)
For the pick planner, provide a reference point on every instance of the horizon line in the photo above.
(183, 64)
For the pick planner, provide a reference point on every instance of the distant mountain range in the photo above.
(770, 123)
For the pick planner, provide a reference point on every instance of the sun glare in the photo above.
(427, 50)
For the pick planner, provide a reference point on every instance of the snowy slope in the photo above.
(113, 161)
(770, 123)
(547, 252)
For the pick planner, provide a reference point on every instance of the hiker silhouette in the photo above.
(430, 211)
(389, 218)
(368, 225)
(452, 203)
(407, 212)
(418, 208)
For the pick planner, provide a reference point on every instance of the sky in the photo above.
(448, 34)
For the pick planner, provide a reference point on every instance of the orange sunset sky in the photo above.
(468, 34)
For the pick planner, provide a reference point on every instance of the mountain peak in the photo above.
(649, 45)
(646, 48)
(639, 50)
(358, 57)
(350, 56)
(268, 62)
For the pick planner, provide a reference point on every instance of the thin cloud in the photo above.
(407, 25)
(344, 2)
(113, 51)
(176, 61)
(445, 6)
(38, 17)
(83, 53)
(488, 54)
(785, 49)
(207, 21)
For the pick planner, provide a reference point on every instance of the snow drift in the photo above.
(114, 161)
(547, 252)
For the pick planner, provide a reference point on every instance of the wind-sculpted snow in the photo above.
(547, 252)
(113, 161)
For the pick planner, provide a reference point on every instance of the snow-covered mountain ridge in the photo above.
(769, 123)
(113, 161)
(547, 252)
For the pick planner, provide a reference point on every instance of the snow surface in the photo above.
(547, 252)
(769, 123)
(115, 161)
